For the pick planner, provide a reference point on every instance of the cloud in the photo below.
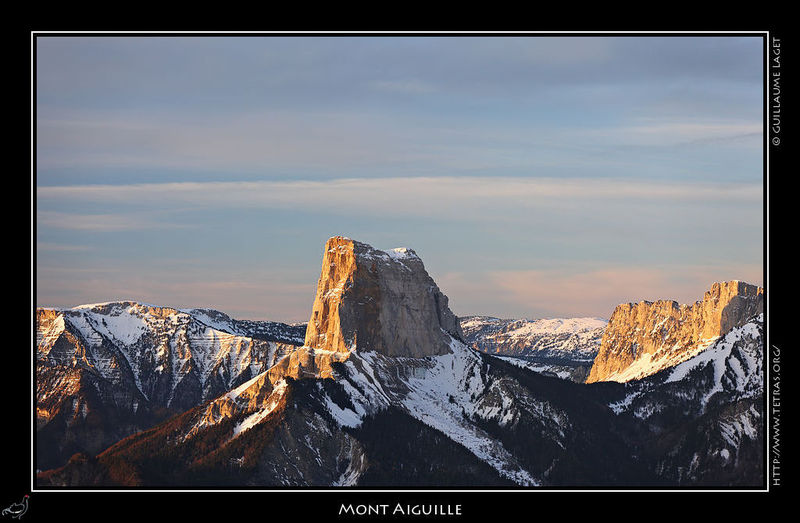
(667, 132)
(337, 145)
(101, 222)
(58, 247)
(409, 86)
(318, 67)
(257, 296)
(616, 147)
(235, 141)
(442, 196)
(598, 292)
(329, 107)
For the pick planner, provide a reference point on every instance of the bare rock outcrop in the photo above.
(383, 301)
(367, 300)
(646, 337)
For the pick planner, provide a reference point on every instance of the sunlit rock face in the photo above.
(367, 301)
(383, 301)
(643, 338)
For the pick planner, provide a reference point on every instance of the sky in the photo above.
(537, 177)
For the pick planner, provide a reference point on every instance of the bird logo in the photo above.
(17, 510)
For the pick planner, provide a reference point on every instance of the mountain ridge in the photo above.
(562, 347)
(331, 412)
(645, 337)
(106, 370)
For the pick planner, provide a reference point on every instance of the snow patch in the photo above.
(621, 406)
(401, 253)
(542, 368)
(457, 376)
(257, 417)
(349, 477)
(344, 417)
(648, 364)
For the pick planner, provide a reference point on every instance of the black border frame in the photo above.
(474, 501)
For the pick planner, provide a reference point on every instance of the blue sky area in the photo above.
(535, 176)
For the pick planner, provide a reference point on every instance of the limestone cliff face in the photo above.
(371, 300)
(646, 337)
(367, 300)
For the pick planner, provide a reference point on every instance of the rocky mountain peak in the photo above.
(383, 301)
(645, 337)
(730, 304)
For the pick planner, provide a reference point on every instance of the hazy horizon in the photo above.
(536, 177)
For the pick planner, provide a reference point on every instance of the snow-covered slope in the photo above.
(696, 423)
(440, 391)
(574, 339)
(561, 347)
(731, 368)
(716, 398)
(532, 429)
(126, 365)
(163, 350)
(443, 392)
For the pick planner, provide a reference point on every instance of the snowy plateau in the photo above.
(561, 347)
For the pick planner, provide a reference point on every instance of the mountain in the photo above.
(383, 301)
(558, 347)
(646, 337)
(104, 371)
(705, 416)
(385, 392)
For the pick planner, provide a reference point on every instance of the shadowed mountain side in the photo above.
(389, 449)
